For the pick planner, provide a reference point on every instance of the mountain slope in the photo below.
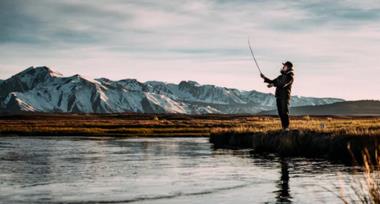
(40, 89)
(363, 107)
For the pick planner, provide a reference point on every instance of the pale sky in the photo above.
(334, 45)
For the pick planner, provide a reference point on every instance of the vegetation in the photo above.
(122, 125)
(334, 125)
(178, 125)
(366, 188)
(323, 137)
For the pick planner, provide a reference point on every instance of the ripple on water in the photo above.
(156, 170)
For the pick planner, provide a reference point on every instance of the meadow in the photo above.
(169, 125)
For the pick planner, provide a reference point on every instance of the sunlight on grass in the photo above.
(171, 125)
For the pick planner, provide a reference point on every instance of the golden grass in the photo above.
(114, 125)
(338, 125)
(176, 125)
(322, 137)
(365, 189)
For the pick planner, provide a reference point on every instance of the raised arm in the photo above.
(266, 80)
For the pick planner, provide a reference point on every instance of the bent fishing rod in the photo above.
(257, 65)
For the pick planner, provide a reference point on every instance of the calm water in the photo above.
(163, 170)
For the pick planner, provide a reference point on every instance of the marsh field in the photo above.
(170, 125)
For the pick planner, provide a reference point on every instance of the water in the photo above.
(158, 170)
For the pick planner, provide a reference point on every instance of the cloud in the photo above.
(204, 40)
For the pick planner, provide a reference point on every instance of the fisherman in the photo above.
(283, 84)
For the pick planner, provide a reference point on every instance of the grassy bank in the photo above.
(336, 138)
(321, 136)
(178, 125)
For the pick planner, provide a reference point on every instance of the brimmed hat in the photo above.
(288, 64)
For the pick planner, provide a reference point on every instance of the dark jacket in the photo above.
(283, 84)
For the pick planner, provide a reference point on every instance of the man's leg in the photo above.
(280, 111)
(283, 111)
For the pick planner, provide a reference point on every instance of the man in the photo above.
(283, 84)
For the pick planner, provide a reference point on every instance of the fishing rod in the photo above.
(257, 65)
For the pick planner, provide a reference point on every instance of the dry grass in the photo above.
(322, 137)
(178, 125)
(333, 125)
(366, 189)
(116, 125)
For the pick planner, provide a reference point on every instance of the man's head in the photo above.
(287, 66)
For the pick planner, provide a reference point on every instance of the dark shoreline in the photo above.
(340, 148)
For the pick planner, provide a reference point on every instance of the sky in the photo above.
(334, 45)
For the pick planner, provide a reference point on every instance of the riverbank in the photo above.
(343, 138)
(322, 136)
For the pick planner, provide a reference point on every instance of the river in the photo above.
(160, 170)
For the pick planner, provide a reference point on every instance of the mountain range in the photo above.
(40, 89)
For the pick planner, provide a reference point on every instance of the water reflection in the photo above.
(153, 170)
(283, 192)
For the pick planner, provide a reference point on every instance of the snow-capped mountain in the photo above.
(39, 89)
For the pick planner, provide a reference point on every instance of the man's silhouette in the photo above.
(283, 84)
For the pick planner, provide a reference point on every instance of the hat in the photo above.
(288, 64)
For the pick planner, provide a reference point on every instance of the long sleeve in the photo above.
(267, 80)
(282, 82)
